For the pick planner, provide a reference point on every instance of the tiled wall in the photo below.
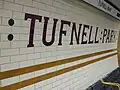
(15, 54)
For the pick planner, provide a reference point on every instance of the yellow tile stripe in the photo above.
(52, 74)
(20, 71)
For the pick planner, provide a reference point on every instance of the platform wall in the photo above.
(84, 53)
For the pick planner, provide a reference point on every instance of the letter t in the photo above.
(32, 26)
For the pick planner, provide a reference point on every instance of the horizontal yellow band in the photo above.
(52, 74)
(20, 71)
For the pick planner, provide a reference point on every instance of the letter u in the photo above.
(45, 31)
